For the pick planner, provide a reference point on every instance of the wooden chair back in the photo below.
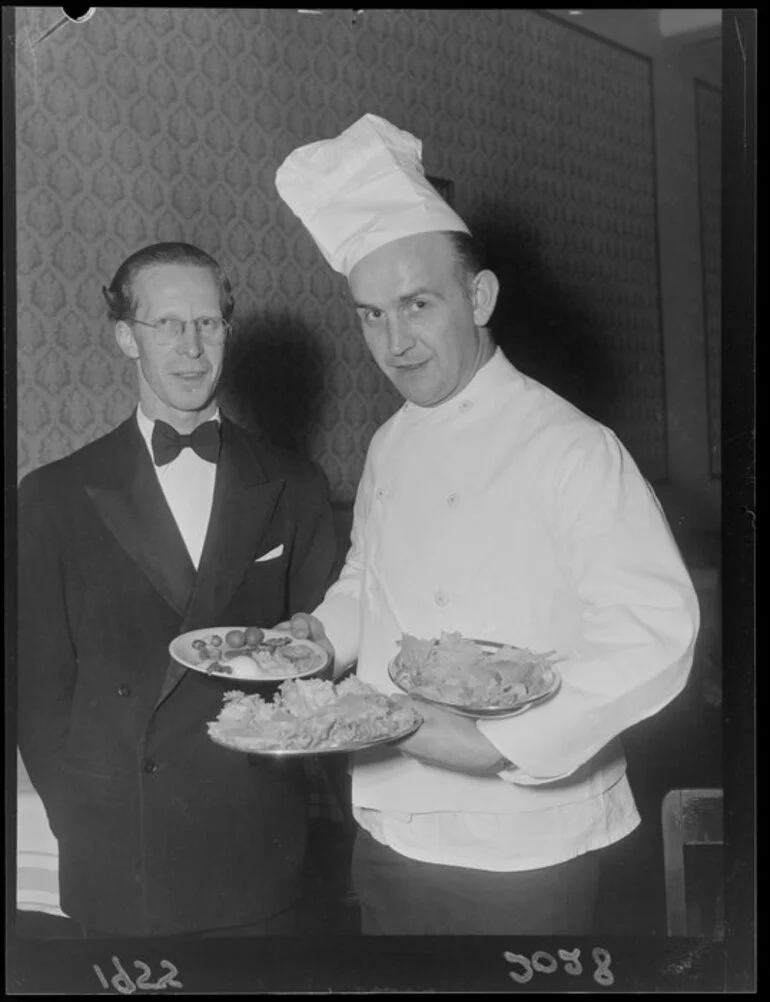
(690, 818)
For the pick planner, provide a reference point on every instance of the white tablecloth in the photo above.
(37, 852)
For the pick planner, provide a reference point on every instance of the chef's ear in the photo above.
(484, 296)
(126, 340)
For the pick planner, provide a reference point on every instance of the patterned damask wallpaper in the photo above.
(709, 111)
(147, 124)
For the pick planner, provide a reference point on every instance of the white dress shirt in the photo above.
(188, 486)
(507, 514)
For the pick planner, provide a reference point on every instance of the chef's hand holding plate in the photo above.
(303, 626)
(449, 741)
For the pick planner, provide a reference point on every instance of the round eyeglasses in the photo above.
(169, 330)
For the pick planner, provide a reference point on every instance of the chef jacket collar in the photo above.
(489, 378)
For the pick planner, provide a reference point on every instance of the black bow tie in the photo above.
(167, 443)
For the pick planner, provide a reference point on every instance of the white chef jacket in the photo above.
(507, 514)
(187, 483)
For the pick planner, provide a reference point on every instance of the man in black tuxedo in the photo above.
(123, 545)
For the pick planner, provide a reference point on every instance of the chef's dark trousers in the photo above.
(283, 924)
(405, 897)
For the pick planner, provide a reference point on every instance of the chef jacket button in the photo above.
(466, 406)
(380, 494)
(124, 690)
(453, 500)
(441, 598)
(150, 766)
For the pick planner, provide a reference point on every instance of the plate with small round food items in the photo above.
(475, 678)
(314, 716)
(248, 655)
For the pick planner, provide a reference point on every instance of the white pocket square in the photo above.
(271, 555)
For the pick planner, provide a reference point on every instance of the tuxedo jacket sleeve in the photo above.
(49, 600)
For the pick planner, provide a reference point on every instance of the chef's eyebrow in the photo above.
(406, 298)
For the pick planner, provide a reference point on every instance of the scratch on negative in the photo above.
(745, 82)
(34, 58)
(684, 965)
(740, 41)
(33, 45)
(52, 29)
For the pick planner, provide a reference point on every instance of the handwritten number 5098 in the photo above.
(543, 963)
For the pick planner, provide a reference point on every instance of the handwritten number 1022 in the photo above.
(123, 983)
(544, 963)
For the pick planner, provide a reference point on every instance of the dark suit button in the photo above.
(150, 766)
(124, 690)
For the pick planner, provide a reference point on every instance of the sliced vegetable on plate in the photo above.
(248, 654)
(476, 677)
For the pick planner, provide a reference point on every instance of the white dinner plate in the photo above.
(246, 740)
(183, 650)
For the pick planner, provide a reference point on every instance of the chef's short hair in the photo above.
(469, 253)
(120, 294)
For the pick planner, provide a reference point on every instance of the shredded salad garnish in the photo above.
(313, 714)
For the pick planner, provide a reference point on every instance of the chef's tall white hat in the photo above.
(362, 190)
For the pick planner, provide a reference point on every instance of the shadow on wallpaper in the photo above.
(545, 328)
(274, 374)
(273, 379)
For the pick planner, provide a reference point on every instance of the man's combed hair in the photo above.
(471, 257)
(120, 296)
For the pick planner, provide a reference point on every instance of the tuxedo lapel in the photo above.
(131, 504)
(243, 504)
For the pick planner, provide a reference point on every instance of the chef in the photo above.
(491, 507)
